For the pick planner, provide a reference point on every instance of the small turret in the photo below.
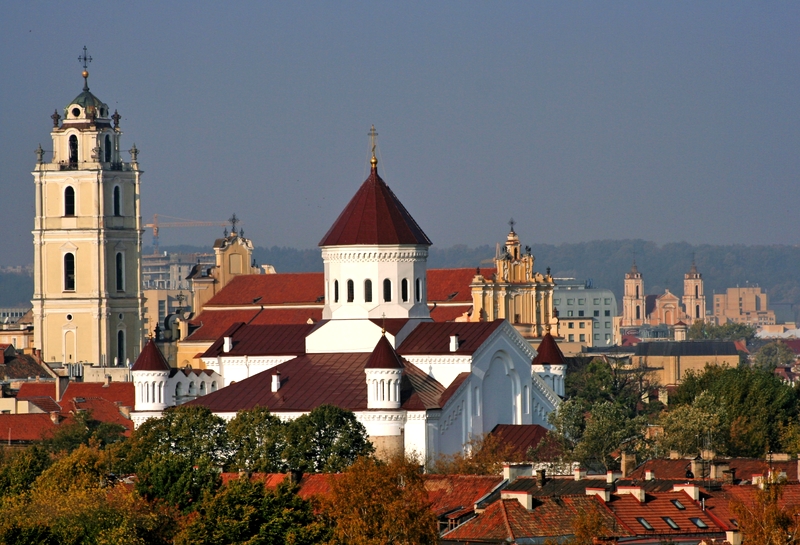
(384, 371)
(150, 374)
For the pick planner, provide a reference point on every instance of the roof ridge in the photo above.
(506, 521)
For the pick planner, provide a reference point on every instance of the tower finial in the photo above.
(85, 59)
(373, 138)
(511, 223)
(234, 220)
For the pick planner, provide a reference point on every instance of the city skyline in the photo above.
(583, 121)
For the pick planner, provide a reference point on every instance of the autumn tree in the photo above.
(687, 426)
(481, 455)
(257, 440)
(327, 440)
(80, 430)
(765, 519)
(374, 503)
(20, 469)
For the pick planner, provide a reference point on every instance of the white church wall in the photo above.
(445, 368)
(345, 336)
(236, 368)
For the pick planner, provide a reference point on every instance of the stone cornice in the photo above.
(373, 254)
(445, 359)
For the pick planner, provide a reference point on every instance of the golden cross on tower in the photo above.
(85, 59)
(373, 139)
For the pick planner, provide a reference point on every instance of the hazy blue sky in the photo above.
(668, 121)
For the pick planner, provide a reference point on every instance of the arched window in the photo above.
(351, 291)
(418, 290)
(213, 385)
(367, 291)
(637, 292)
(121, 348)
(387, 290)
(202, 388)
(697, 311)
(178, 392)
(108, 149)
(73, 150)
(117, 201)
(697, 291)
(192, 390)
(69, 272)
(69, 201)
(526, 407)
(404, 290)
(147, 392)
(638, 312)
(335, 291)
(120, 272)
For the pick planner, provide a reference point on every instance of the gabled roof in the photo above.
(519, 437)
(21, 367)
(262, 340)
(745, 468)
(548, 352)
(659, 505)
(36, 389)
(310, 380)
(434, 337)
(150, 359)
(271, 289)
(383, 356)
(452, 494)
(116, 392)
(26, 427)
(374, 216)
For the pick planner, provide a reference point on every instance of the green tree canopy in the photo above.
(257, 440)
(701, 330)
(328, 440)
(774, 354)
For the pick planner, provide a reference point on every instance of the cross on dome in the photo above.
(373, 139)
(85, 59)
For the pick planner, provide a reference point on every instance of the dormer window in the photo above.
(69, 201)
(76, 112)
(73, 150)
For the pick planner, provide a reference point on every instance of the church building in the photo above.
(87, 300)
(416, 384)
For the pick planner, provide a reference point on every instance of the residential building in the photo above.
(748, 305)
(87, 300)
(577, 301)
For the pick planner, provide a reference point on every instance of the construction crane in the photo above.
(182, 222)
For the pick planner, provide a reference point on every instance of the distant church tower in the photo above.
(87, 239)
(633, 299)
(694, 300)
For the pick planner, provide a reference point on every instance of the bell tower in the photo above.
(87, 239)
(633, 299)
(694, 300)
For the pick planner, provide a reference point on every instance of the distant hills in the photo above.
(776, 268)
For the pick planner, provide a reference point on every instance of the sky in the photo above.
(665, 121)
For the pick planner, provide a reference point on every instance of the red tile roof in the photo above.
(150, 359)
(25, 427)
(262, 340)
(450, 284)
(311, 380)
(122, 392)
(520, 437)
(449, 313)
(656, 506)
(383, 356)
(311, 485)
(434, 337)
(102, 410)
(374, 216)
(46, 404)
(272, 289)
(548, 352)
(214, 322)
(36, 389)
(745, 468)
(450, 494)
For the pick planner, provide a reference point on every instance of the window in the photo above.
(671, 523)
(571, 325)
(637, 292)
(117, 202)
(570, 301)
(120, 347)
(525, 400)
(418, 290)
(644, 523)
(335, 291)
(597, 336)
(404, 290)
(697, 311)
(580, 313)
(607, 324)
(108, 149)
(571, 338)
(581, 301)
(69, 272)
(608, 336)
(607, 301)
(367, 291)
(387, 290)
(557, 301)
(582, 338)
(596, 300)
(569, 313)
(120, 272)
(698, 522)
(697, 291)
(73, 150)
(69, 201)
(351, 291)
(596, 313)
(638, 312)
(582, 325)
(608, 312)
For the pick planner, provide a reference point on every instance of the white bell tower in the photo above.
(87, 238)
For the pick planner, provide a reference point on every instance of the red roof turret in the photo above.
(383, 356)
(548, 352)
(374, 216)
(151, 359)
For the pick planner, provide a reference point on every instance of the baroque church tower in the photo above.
(87, 239)
(633, 299)
(694, 300)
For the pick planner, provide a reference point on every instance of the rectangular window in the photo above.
(608, 336)
(596, 300)
(569, 313)
(582, 325)
(570, 301)
(571, 325)
(581, 301)
(557, 301)
(607, 313)
(608, 325)
(698, 522)
(580, 313)
(596, 313)
(583, 338)
(607, 301)
(671, 523)
(597, 336)
(644, 523)
(572, 338)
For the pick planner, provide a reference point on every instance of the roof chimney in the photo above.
(227, 344)
(276, 381)
(454, 342)
(649, 475)
(541, 478)
(635, 491)
(579, 473)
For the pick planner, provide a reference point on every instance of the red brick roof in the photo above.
(25, 427)
(374, 216)
(520, 437)
(150, 359)
(548, 352)
(434, 337)
(273, 289)
(262, 340)
(383, 356)
(311, 380)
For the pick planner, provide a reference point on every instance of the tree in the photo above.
(687, 426)
(21, 469)
(244, 511)
(81, 430)
(328, 439)
(608, 429)
(700, 331)
(258, 440)
(374, 503)
(774, 354)
(176, 479)
(587, 526)
(609, 379)
(765, 519)
(483, 455)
